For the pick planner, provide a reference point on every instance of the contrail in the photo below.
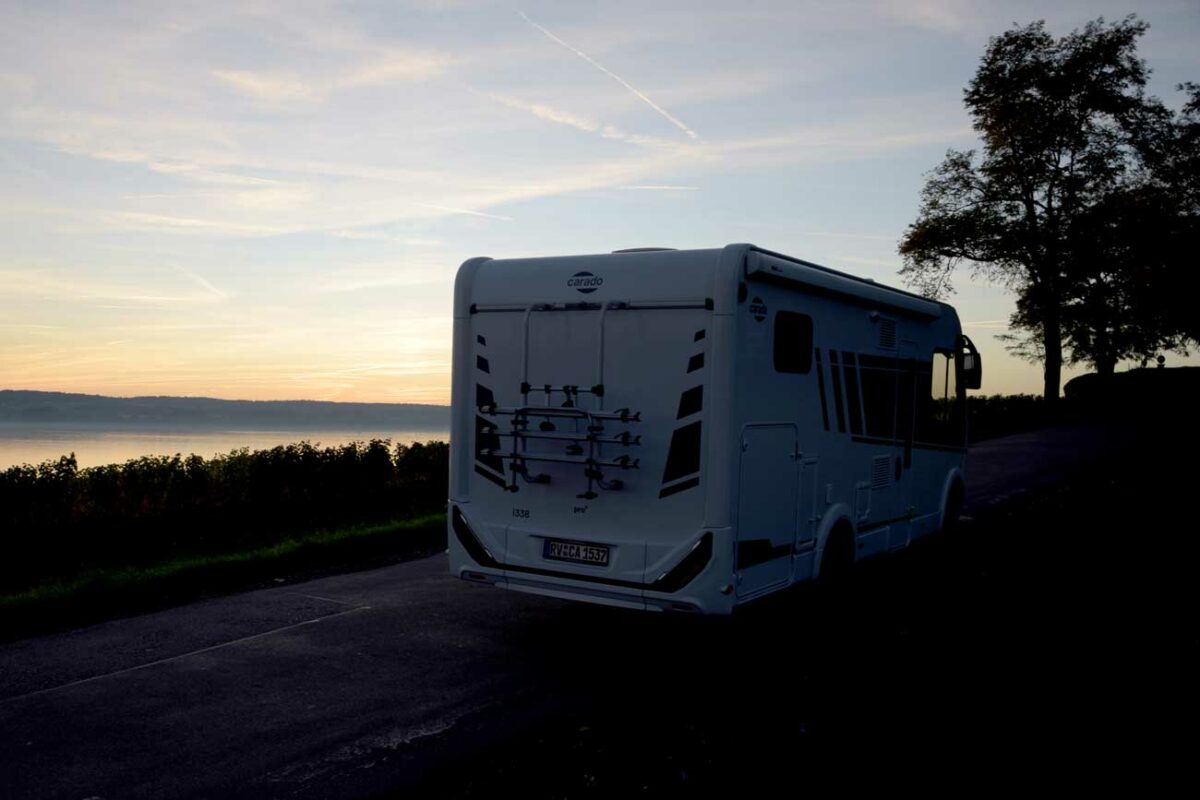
(676, 122)
(547, 113)
(451, 210)
(201, 282)
(561, 117)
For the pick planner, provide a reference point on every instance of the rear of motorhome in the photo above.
(690, 430)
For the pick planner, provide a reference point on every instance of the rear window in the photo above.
(793, 342)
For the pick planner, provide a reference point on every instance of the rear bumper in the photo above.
(588, 594)
(689, 585)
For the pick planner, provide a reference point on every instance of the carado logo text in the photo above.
(585, 282)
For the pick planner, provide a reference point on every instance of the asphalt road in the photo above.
(358, 684)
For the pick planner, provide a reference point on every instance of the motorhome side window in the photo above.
(879, 377)
(940, 417)
(943, 383)
(793, 342)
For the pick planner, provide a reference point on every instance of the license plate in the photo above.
(576, 552)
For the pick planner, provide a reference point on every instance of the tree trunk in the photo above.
(1052, 372)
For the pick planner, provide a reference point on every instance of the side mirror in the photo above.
(970, 364)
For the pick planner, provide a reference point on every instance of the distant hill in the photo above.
(60, 408)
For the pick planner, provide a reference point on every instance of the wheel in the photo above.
(839, 555)
(954, 504)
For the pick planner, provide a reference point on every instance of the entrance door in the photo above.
(766, 506)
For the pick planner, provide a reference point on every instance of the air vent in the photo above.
(881, 471)
(643, 249)
(887, 334)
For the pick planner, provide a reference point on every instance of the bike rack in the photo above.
(593, 465)
(522, 416)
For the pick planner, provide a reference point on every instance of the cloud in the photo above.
(841, 141)
(60, 284)
(289, 88)
(405, 274)
(728, 84)
(658, 188)
(613, 132)
(356, 197)
(947, 16)
(847, 235)
(395, 66)
(16, 87)
(276, 89)
(383, 236)
(136, 220)
(196, 172)
(883, 263)
(253, 191)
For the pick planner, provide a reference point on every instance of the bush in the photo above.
(990, 416)
(57, 520)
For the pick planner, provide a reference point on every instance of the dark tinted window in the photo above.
(879, 395)
(853, 403)
(793, 342)
(905, 394)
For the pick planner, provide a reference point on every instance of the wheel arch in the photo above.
(835, 516)
(955, 479)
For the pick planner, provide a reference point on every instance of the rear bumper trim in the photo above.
(673, 580)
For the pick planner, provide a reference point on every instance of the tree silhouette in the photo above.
(1179, 178)
(1073, 154)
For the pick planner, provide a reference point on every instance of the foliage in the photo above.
(990, 416)
(1179, 171)
(59, 520)
(1072, 203)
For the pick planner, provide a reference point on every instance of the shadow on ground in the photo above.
(1009, 649)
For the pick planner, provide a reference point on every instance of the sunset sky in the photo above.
(269, 200)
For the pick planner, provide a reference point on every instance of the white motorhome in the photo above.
(692, 429)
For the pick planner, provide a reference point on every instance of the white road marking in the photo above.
(326, 599)
(182, 656)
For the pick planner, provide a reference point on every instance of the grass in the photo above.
(107, 592)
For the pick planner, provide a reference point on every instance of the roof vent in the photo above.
(644, 249)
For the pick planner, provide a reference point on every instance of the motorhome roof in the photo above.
(753, 263)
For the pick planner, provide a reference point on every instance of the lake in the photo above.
(95, 445)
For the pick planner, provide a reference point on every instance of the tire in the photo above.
(838, 558)
(954, 504)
